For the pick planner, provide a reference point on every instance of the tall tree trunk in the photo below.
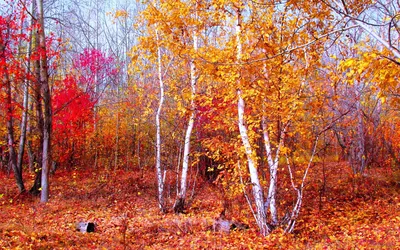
(180, 201)
(44, 82)
(257, 190)
(24, 121)
(160, 181)
(273, 174)
(10, 135)
(36, 157)
(261, 217)
(273, 163)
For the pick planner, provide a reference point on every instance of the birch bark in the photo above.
(180, 202)
(257, 190)
(273, 172)
(160, 181)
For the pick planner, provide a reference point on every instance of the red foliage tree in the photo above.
(74, 99)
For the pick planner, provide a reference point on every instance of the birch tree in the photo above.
(159, 170)
(257, 190)
(180, 202)
(273, 85)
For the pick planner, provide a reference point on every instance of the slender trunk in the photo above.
(95, 125)
(273, 163)
(31, 154)
(256, 186)
(36, 157)
(12, 162)
(180, 202)
(10, 134)
(360, 148)
(160, 181)
(96, 137)
(272, 166)
(292, 217)
(44, 82)
(273, 174)
(24, 121)
(116, 136)
(138, 159)
(186, 149)
(257, 191)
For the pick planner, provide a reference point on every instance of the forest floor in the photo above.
(349, 213)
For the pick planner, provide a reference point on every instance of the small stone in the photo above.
(85, 227)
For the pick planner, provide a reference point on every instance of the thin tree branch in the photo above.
(287, 51)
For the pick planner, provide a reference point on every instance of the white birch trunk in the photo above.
(179, 204)
(24, 120)
(273, 172)
(186, 149)
(377, 37)
(257, 190)
(273, 163)
(258, 196)
(160, 179)
(291, 221)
